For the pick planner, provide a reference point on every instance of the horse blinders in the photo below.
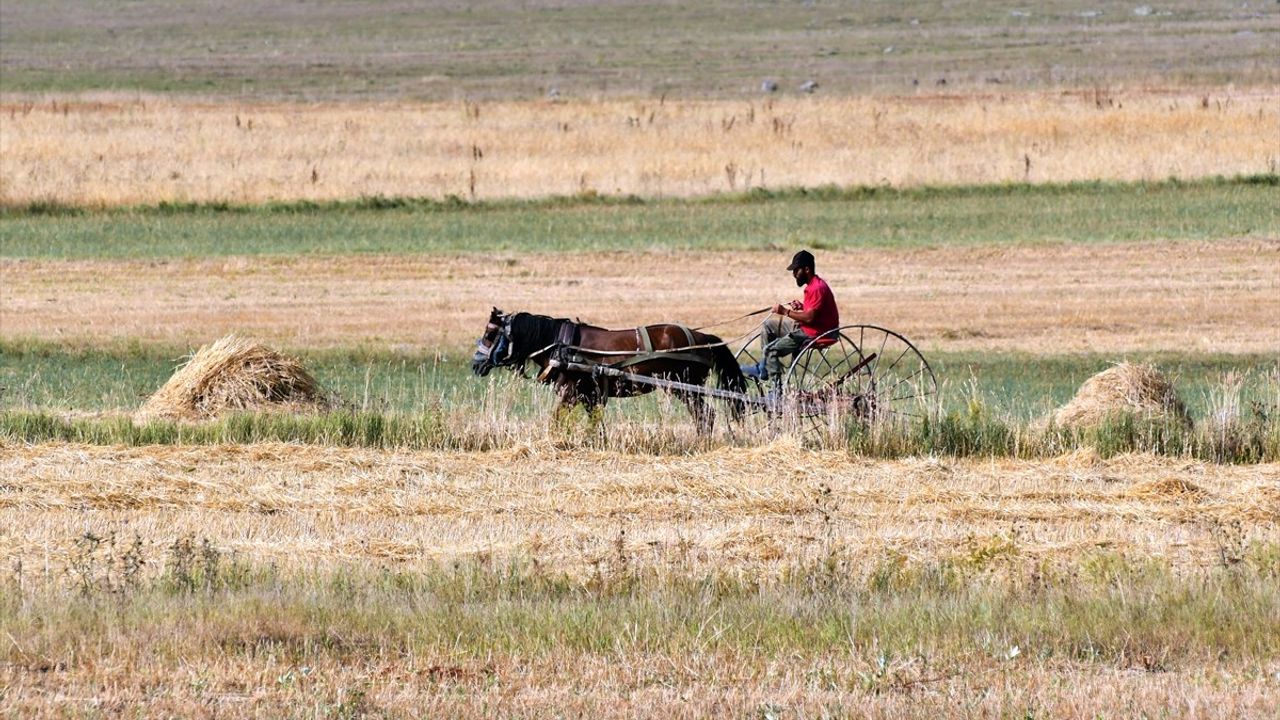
(493, 349)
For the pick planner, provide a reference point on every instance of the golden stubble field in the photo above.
(743, 510)
(1222, 296)
(748, 512)
(105, 150)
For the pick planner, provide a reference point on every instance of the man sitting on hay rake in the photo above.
(790, 327)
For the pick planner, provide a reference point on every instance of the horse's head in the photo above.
(493, 349)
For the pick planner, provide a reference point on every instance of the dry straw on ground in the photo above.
(150, 150)
(234, 373)
(748, 510)
(1125, 388)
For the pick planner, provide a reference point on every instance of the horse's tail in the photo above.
(728, 372)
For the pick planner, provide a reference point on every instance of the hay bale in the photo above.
(234, 373)
(1125, 388)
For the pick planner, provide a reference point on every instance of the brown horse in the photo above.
(668, 351)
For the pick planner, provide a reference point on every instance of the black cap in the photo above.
(804, 258)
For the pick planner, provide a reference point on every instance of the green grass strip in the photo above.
(454, 203)
(972, 434)
(821, 219)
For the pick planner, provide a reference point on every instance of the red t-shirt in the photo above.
(818, 297)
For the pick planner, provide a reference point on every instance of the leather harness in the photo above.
(568, 335)
(644, 344)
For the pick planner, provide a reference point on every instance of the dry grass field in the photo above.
(758, 515)
(114, 151)
(1221, 296)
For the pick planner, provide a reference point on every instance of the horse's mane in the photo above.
(531, 333)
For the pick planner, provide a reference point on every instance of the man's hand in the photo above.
(779, 310)
(797, 305)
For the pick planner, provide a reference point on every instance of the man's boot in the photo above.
(756, 371)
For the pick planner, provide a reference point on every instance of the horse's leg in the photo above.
(703, 414)
(559, 414)
(568, 399)
(593, 401)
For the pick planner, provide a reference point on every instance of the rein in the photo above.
(765, 309)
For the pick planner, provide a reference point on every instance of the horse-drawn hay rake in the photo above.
(855, 373)
(862, 374)
(859, 373)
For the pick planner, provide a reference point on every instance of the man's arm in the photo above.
(800, 316)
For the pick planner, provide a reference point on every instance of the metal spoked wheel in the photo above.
(858, 373)
(751, 354)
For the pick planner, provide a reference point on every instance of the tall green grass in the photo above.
(989, 405)
(823, 218)
(1252, 438)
